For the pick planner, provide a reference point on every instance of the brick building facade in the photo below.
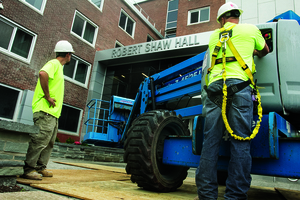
(184, 27)
(43, 25)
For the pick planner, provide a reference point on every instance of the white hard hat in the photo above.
(63, 46)
(226, 8)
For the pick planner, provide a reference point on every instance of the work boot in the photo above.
(46, 173)
(32, 175)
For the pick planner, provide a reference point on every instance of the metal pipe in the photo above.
(152, 93)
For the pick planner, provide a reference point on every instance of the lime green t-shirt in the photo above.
(56, 89)
(245, 38)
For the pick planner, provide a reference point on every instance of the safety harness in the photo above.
(225, 35)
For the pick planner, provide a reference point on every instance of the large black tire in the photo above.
(144, 151)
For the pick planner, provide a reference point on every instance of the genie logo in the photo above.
(127, 102)
(184, 77)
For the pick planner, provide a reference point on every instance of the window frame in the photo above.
(101, 6)
(41, 11)
(18, 105)
(168, 14)
(86, 20)
(151, 38)
(15, 27)
(119, 43)
(72, 80)
(128, 17)
(199, 11)
(170, 35)
(78, 125)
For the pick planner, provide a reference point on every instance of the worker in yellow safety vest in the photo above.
(47, 105)
(229, 106)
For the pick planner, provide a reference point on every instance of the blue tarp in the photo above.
(287, 15)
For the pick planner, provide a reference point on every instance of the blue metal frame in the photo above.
(106, 129)
(166, 90)
(274, 150)
(282, 159)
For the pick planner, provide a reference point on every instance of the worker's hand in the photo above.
(51, 101)
(262, 52)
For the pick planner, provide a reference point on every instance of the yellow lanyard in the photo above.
(225, 40)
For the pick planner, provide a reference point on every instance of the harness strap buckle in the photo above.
(226, 36)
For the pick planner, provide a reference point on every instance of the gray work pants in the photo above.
(41, 144)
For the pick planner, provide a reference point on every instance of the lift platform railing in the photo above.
(97, 120)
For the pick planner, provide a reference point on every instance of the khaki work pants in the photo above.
(41, 144)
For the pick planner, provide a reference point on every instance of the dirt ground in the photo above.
(15, 188)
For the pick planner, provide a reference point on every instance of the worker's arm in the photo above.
(262, 52)
(44, 78)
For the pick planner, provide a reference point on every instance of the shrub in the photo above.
(70, 141)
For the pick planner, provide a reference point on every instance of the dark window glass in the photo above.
(125, 80)
(117, 45)
(8, 104)
(129, 27)
(122, 22)
(5, 34)
(22, 43)
(126, 23)
(81, 72)
(194, 17)
(78, 25)
(69, 69)
(89, 33)
(69, 119)
(149, 38)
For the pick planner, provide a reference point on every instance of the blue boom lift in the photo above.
(163, 133)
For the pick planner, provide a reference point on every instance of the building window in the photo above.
(69, 120)
(78, 71)
(15, 40)
(170, 35)
(172, 14)
(127, 23)
(10, 104)
(149, 38)
(118, 44)
(37, 5)
(97, 3)
(198, 15)
(84, 28)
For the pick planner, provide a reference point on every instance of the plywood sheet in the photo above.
(94, 166)
(107, 190)
(112, 189)
(106, 182)
(67, 175)
(289, 194)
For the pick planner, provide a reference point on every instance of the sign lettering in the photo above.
(156, 46)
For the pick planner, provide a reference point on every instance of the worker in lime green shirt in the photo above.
(46, 106)
(248, 41)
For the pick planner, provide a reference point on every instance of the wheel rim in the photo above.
(168, 172)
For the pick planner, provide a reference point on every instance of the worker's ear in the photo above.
(222, 21)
